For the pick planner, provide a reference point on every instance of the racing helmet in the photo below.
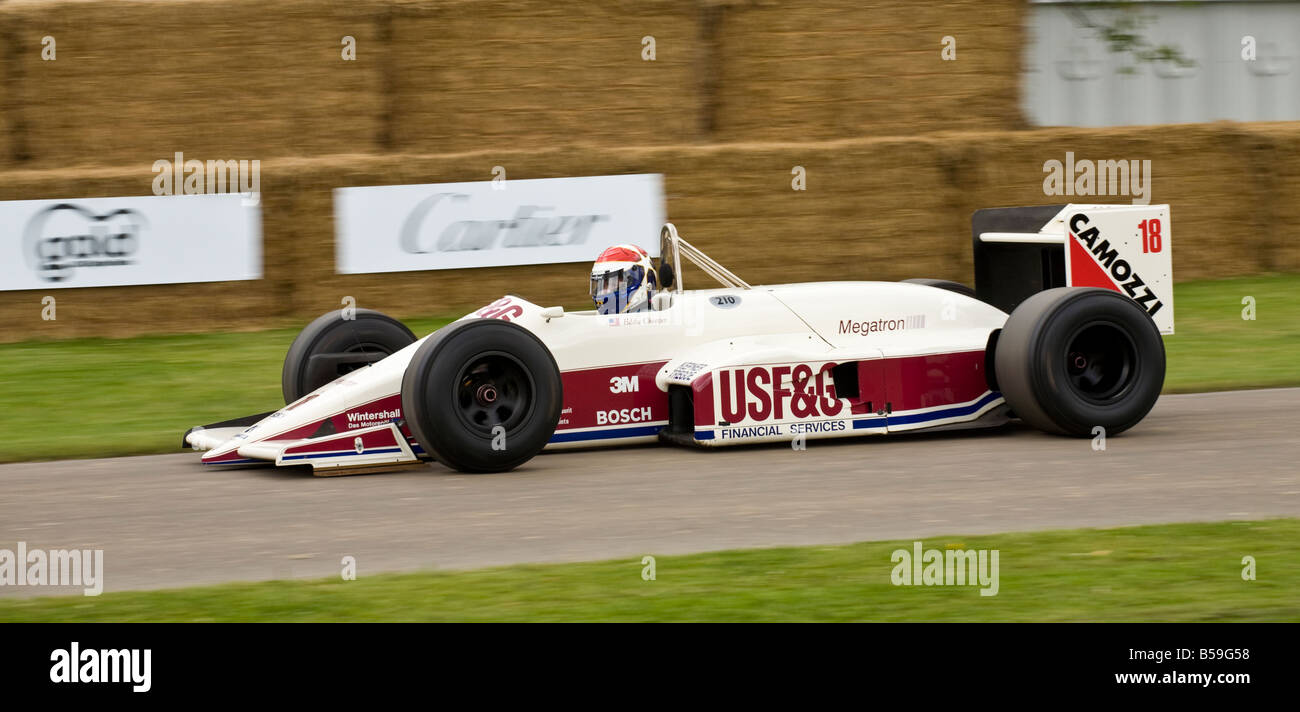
(623, 280)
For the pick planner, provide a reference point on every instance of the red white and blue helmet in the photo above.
(623, 280)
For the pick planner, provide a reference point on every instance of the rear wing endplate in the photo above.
(1126, 248)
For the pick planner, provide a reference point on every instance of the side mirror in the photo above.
(550, 313)
(666, 276)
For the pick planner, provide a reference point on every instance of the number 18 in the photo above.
(1150, 235)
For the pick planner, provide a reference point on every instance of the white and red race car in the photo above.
(1063, 331)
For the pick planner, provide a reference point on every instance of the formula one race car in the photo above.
(1062, 330)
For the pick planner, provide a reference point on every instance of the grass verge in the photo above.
(1215, 348)
(1179, 572)
(103, 397)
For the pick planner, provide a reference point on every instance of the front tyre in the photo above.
(1071, 359)
(482, 395)
(338, 343)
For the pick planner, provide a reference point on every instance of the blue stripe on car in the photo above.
(945, 413)
(341, 453)
(607, 434)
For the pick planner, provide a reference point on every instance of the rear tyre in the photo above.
(332, 346)
(957, 287)
(482, 395)
(1070, 359)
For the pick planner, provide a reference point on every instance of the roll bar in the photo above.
(672, 248)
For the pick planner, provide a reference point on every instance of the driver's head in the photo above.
(623, 280)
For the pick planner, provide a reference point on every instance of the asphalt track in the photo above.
(167, 521)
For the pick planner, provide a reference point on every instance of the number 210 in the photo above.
(1150, 235)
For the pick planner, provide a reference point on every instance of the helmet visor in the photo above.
(617, 281)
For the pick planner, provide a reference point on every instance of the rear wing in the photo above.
(1125, 248)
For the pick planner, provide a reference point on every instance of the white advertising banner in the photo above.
(399, 228)
(111, 242)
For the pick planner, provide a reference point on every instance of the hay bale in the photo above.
(856, 68)
(536, 73)
(137, 80)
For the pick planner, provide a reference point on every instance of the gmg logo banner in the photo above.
(101, 242)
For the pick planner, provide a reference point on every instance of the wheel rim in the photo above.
(1100, 362)
(493, 389)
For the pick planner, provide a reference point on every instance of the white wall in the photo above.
(1071, 79)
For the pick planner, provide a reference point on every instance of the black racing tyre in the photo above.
(331, 346)
(957, 287)
(482, 395)
(1073, 358)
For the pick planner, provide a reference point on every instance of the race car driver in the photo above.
(623, 280)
